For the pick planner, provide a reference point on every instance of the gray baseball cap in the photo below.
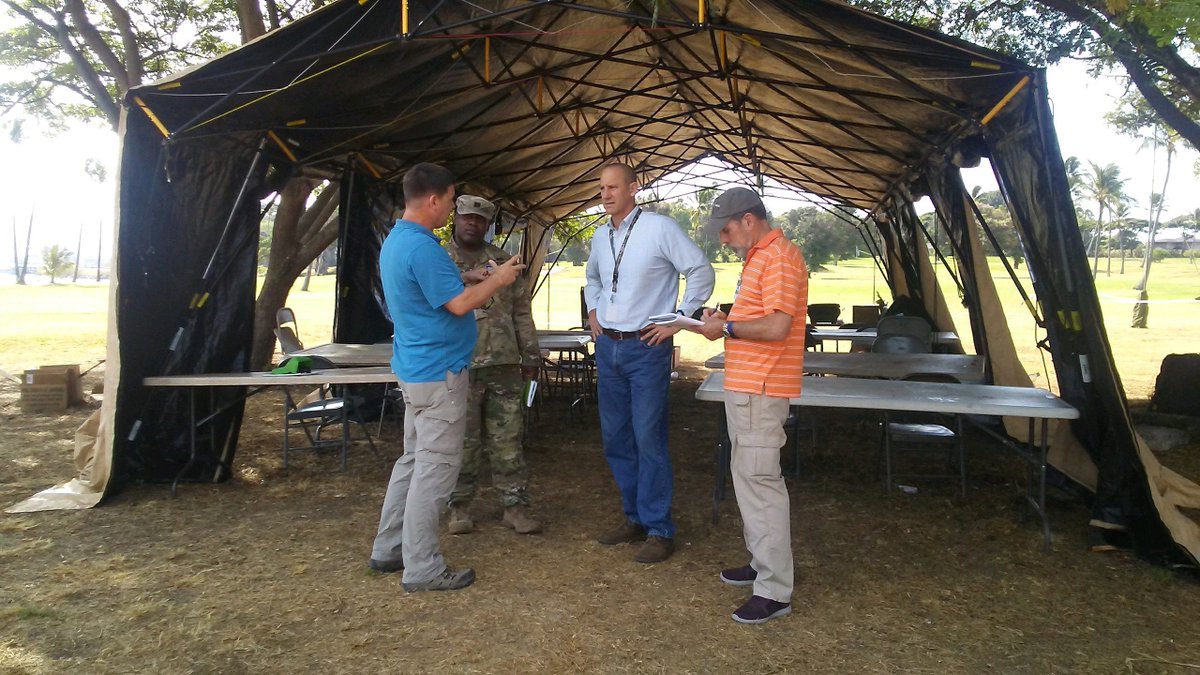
(731, 204)
(477, 205)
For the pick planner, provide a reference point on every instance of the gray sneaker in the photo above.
(448, 580)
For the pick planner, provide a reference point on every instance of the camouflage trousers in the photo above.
(494, 418)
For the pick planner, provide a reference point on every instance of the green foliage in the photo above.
(43, 79)
(56, 261)
(822, 236)
(1154, 41)
(998, 218)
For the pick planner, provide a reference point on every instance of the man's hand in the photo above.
(506, 273)
(656, 334)
(529, 372)
(594, 324)
(472, 277)
(714, 324)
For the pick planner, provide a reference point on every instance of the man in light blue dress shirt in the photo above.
(632, 274)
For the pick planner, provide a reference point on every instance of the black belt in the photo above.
(622, 334)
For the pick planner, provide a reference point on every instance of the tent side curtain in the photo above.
(1028, 162)
(365, 216)
(180, 218)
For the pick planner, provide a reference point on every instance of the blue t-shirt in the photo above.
(418, 279)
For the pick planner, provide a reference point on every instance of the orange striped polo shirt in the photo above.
(774, 279)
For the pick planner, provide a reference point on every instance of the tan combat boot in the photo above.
(518, 518)
(460, 520)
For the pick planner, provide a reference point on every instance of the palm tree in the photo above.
(1121, 221)
(1157, 200)
(1105, 185)
(56, 261)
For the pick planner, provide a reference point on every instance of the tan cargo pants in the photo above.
(756, 434)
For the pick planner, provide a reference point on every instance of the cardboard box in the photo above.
(64, 376)
(41, 398)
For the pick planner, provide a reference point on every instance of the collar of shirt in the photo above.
(626, 220)
(410, 225)
(476, 257)
(762, 243)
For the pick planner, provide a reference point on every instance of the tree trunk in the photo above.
(1141, 286)
(299, 236)
(99, 248)
(78, 251)
(1141, 310)
(250, 19)
(28, 237)
(16, 256)
(1096, 244)
(1121, 234)
(1108, 252)
(308, 276)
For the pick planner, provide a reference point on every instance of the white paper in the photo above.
(530, 392)
(674, 320)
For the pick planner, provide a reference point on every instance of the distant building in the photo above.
(1177, 240)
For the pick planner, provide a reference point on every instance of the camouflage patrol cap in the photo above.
(477, 205)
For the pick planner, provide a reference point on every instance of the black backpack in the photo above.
(1177, 389)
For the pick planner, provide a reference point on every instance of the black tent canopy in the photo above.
(524, 101)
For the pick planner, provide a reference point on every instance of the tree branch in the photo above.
(1127, 54)
(95, 41)
(133, 57)
(99, 94)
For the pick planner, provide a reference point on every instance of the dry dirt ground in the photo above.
(267, 573)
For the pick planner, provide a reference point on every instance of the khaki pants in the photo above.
(434, 422)
(756, 434)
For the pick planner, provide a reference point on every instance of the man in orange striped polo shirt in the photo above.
(764, 360)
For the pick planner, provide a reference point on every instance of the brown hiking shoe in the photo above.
(655, 550)
(518, 518)
(625, 533)
(460, 520)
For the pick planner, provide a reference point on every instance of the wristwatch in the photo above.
(728, 330)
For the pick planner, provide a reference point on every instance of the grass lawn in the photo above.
(66, 323)
(267, 572)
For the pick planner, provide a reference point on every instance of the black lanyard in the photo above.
(617, 256)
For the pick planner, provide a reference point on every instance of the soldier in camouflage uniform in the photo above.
(506, 354)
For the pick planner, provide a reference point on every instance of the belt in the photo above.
(622, 334)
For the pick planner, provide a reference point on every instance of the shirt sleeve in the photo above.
(690, 261)
(437, 275)
(784, 286)
(591, 291)
(522, 316)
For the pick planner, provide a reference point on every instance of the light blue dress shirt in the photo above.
(657, 253)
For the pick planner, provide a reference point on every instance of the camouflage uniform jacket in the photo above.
(506, 332)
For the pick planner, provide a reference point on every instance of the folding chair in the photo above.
(287, 331)
(313, 416)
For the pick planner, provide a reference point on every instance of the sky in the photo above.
(44, 175)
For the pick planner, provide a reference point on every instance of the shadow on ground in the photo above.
(268, 573)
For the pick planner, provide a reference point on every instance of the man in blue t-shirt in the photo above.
(434, 329)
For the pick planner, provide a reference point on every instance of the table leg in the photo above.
(1044, 451)
(191, 439)
(721, 468)
(1035, 490)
